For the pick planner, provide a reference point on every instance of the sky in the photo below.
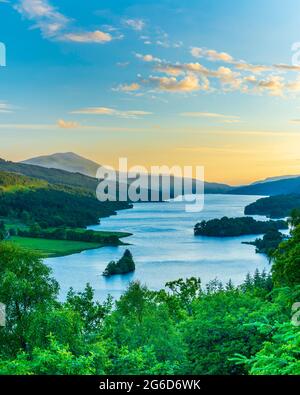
(204, 83)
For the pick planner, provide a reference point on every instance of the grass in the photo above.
(53, 248)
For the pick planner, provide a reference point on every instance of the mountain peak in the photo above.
(69, 161)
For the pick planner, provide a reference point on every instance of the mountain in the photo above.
(68, 161)
(277, 178)
(270, 188)
(75, 163)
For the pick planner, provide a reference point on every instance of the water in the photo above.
(164, 248)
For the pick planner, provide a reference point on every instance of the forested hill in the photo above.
(13, 181)
(53, 176)
(270, 188)
(274, 206)
(33, 200)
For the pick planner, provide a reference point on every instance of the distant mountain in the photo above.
(270, 188)
(75, 163)
(277, 178)
(68, 161)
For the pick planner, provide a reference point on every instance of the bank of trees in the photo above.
(230, 227)
(186, 328)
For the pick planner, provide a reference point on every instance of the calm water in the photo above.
(164, 248)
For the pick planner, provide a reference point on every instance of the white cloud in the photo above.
(111, 112)
(211, 115)
(129, 87)
(189, 83)
(53, 24)
(88, 37)
(67, 124)
(5, 108)
(46, 17)
(211, 54)
(135, 24)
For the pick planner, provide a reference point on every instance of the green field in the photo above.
(52, 248)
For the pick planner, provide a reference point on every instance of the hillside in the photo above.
(13, 181)
(68, 161)
(274, 206)
(270, 188)
(34, 200)
(73, 163)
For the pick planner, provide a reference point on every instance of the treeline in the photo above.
(62, 233)
(11, 180)
(230, 227)
(52, 176)
(274, 206)
(53, 207)
(268, 243)
(186, 328)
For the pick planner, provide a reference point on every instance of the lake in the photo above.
(164, 248)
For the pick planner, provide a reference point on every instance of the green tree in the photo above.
(25, 285)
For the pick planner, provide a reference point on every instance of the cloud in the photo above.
(212, 115)
(46, 17)
(148, 58)
(67, 124)
(88, 37)
(54, 25)
(236, 75)
(135, 24)
(189, 83)
(111, 112)
(211, 54)
(256, 69)
(5, 108)
(129, 87)
(286, 67)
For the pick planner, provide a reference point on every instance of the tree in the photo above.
(25, 285)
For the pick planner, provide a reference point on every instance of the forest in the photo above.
(186, 328)
(274, 206)
(230, 227)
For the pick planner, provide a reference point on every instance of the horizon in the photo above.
(169, 82)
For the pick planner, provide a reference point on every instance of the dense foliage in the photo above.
(55, 207)
(63, 233)
(268, 243)
(122, 266)
(226, 227)
(185, 328)
(274, 206)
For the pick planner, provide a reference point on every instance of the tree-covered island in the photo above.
(232, 227)
(122, 266)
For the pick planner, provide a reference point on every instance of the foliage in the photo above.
(274, 206)
(227, 227)
(269, 243)
(122, 266)
(182, 329)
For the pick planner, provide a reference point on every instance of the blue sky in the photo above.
(199, 82)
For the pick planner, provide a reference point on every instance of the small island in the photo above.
(232, 227)
(122, 266)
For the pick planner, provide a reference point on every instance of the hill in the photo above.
(75, 163)
(270, 188)
(274, 206)
(68, 161)
(34, 200)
